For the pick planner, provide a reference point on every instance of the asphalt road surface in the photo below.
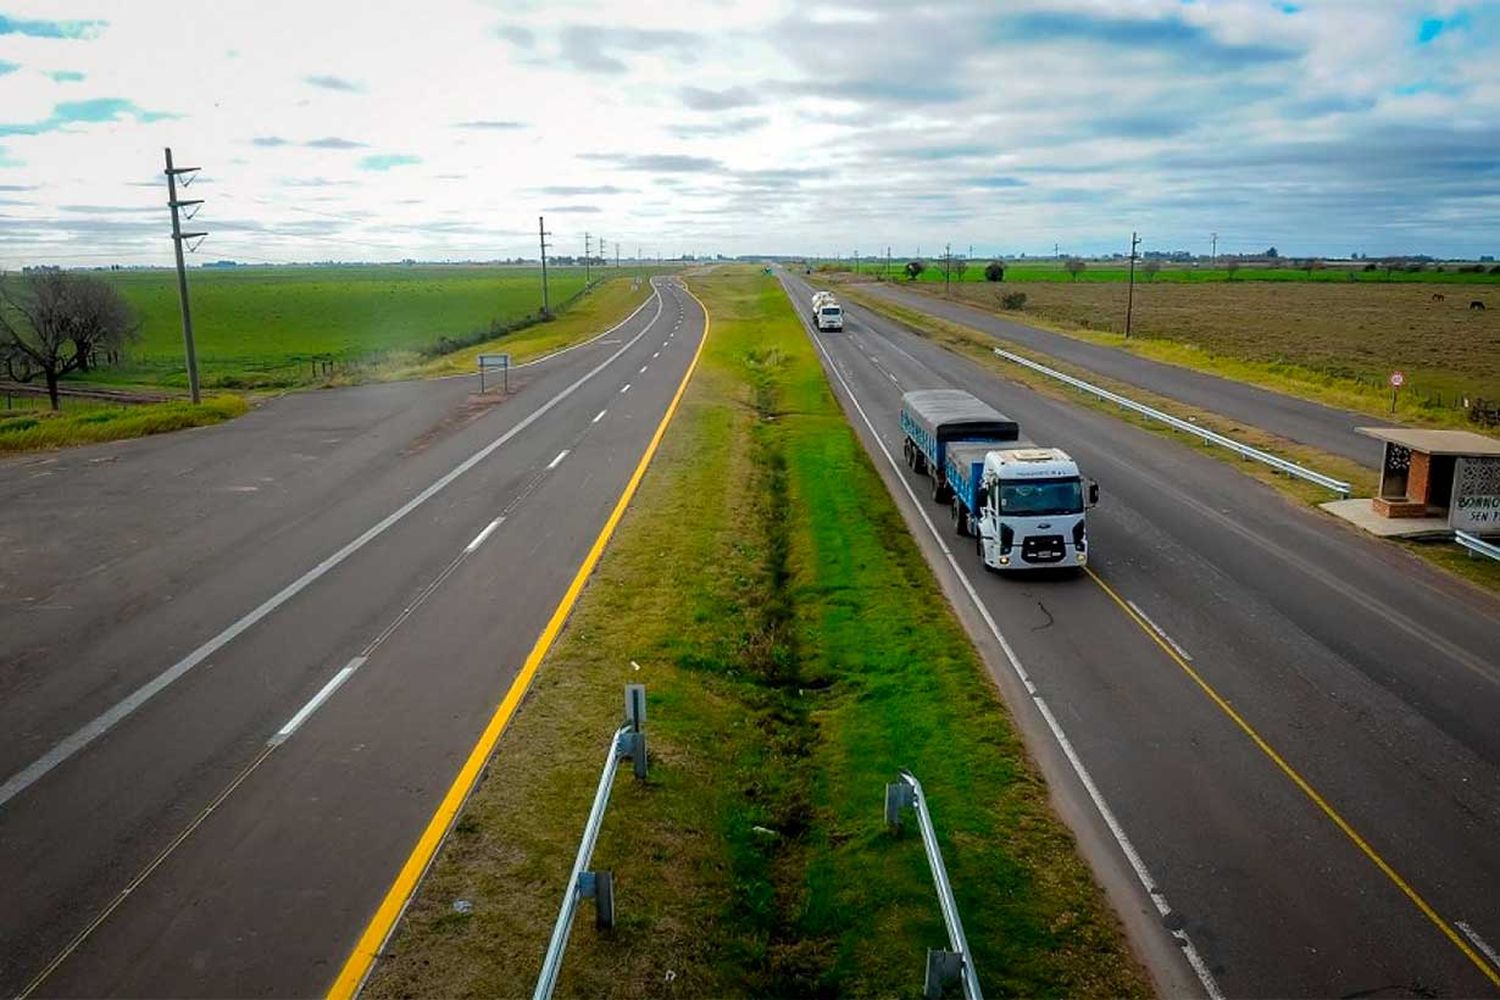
(1323, 427)
(1348, 847)
(241, 665)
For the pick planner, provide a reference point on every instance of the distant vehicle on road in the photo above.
(827, 313)
(1024, 505)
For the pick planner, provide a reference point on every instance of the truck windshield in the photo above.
(831, 310)
(1039, 497)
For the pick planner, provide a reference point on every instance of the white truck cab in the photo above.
(1033, 510)
(827, 313)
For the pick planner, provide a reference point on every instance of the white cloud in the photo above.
(750, 126)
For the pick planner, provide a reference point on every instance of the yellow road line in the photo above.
(362, 959)
(1302, 784)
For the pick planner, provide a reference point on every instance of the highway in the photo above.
(242, 665)
(1324, 427)
(1274, 738)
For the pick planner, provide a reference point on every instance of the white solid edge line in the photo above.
(558, 460)
(285, 732)
(107, 720)
(1190, 952)
(1479, 942)
(489, 530)
(599, 416)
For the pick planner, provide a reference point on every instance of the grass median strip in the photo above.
(38, 429)
(796, 652)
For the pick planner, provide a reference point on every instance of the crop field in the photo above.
(267, 326)
(1110, 272)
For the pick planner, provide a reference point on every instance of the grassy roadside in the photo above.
(1319, 366)
(38, 429)
(796, 652)
(978, 346)
(594, 312)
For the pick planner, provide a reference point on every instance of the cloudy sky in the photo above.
(441, 130)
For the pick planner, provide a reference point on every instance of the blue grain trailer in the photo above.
(931, 419)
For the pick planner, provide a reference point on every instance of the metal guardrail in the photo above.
(628, 743)
(957, 962)
(1211, 437)
(1476, 544)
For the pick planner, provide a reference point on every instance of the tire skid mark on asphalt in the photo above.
(1148, 882)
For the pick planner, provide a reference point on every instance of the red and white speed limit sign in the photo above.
(1396, 379)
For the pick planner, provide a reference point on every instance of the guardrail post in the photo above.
(943, 967)
(897, 798)
(956, 962)
(633, 745)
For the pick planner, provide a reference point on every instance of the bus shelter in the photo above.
(1435, 474)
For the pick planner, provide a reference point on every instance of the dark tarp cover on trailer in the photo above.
(950, 413)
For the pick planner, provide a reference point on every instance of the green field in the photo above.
(266, 326)
(1117, 271)
(796, 651)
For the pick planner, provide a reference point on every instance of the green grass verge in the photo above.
(600, 308)
(275, 327)
(796, 651)
(979, 346)
(36, 430)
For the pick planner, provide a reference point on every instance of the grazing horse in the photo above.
(1437, 296)
(1476, 304)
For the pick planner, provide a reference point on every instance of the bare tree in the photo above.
(1150, 268)
(56, 322)
(1074, 267)
(960, 265)
(1231, 265)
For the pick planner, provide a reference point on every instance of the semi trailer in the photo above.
(1023, 504)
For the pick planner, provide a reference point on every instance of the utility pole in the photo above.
(585, 258)
(1214, 253)
(947, 265)
(542, 234)
(1057, 251)
(603, 256)
(1135, 241)
(856, 262)
(887, 262)
(178, 236)
(617, 255)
